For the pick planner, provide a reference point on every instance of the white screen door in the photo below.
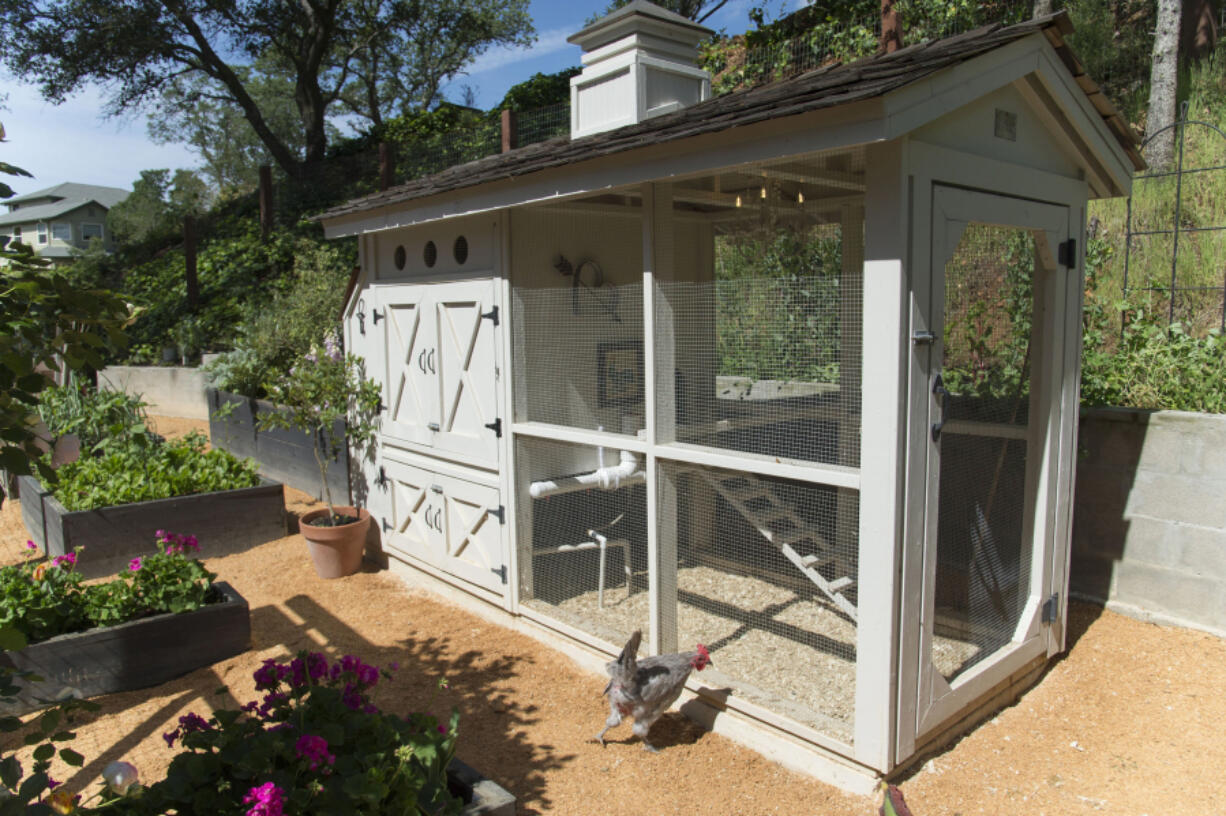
(994, 374)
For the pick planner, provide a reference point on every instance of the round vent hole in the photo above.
(461, 250)
(430, 254)
(399, 257)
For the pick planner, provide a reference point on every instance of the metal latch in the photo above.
(499, 513)
(1051, 608)
(496, 427)
(923, 338)
(1067, 253)
(434, 426)
(492, 314)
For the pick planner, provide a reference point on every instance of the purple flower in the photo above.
(332, 349)
(314, 750)
(170, 737)
(30, 545)
(134, 564)
(442, 729)
(265, 800)
(52, 784)
(61, 560)
(267, 675)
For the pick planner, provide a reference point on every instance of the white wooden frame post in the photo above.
(883, 424)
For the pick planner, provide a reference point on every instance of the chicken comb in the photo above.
(703, 653)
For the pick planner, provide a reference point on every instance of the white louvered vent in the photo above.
(638, 62)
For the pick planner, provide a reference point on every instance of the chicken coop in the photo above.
(791, 372)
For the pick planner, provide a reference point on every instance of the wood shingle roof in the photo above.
(826, 87)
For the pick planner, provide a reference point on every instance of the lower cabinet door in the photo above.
(452, 524)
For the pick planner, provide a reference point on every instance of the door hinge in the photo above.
(496, 427)
(923, 338)
(1051, 608)
(492, 314)
(500, 513)
(382, 480)
(1067, 254)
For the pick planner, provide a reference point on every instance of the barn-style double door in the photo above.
(442, 426)
(440, 383)
(994, 369)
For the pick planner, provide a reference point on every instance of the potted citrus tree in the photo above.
(326, 387)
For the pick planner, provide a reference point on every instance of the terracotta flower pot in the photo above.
(336, 551)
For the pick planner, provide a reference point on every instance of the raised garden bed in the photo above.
(225, 522)
(285, 455)
(132, 655)
(482, 796)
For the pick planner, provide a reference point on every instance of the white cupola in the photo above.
(638, 62)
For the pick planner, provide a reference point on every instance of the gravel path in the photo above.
(1128, 722)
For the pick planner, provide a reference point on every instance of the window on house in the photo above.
(91, 231)
(42, 233)
(62, 232)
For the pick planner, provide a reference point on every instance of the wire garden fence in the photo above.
(1175, 255)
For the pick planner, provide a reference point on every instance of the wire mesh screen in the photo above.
(759, 310)
(577, 291)
(983, 554)
(764, 573)
(989, 316)
(582, 533)
(542, 124)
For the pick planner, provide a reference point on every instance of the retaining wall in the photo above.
(1149, 519)
(172, 391)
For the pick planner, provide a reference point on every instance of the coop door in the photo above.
(411, 398)
(994, 375)
(451, 524)
(467, 364)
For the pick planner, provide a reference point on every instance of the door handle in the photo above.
(438, 521)
(942, 395)
(430, 361)
(421, 361)
(427, 515)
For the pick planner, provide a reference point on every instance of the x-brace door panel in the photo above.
(411, 401)
(468, 372)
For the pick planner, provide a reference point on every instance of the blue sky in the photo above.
(75, 142)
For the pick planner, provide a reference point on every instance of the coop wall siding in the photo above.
(1149, 524)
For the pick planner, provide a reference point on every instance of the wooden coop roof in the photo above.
(832, 85)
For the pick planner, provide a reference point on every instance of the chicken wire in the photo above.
(778, 635)
(983, 550)
(565, 569)
(577, 293)
(758, 313)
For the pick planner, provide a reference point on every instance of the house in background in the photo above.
(59, 219)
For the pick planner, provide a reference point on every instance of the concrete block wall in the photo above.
(172, 391)
(1149, 517)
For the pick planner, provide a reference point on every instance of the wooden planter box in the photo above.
(132, 655)
(482, 796)
(225, 522)
(285, 455)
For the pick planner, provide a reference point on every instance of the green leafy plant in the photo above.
(314, 743)
(179, 468)
(46, 598)
(101, 420)
(326, 391)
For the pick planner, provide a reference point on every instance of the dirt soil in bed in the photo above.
(1129, 721)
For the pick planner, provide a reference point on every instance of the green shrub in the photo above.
(179, 468)
(280, 330)
(102, 420)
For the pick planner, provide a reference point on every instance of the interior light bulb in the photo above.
(738, 201)
(800, 198)
(763, 193)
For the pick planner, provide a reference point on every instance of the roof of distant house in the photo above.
(826, 87)
(64, 198)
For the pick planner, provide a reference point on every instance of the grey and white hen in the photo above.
(644, 689)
